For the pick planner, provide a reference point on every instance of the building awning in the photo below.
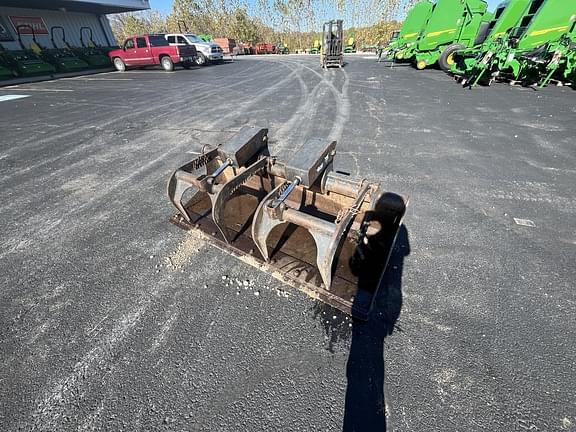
(87, 6)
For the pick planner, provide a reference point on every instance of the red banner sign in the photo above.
(37, 23)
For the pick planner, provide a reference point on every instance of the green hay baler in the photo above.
(453, 25)
(507, 16)
(414, 24)
(543, 23)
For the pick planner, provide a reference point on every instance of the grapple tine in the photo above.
(228, 189)
(263, 224)
(327, 248)
(176, 190)
(328, 236)
(183, 179)
(324, 256)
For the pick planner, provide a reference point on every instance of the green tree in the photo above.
(135, 23)
(296, 23)
(244, 28)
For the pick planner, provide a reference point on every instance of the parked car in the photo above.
(207, 51)
(153, 49)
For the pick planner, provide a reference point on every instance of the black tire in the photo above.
(167, 64)
(446, 58)
(187, 65)
(201, 60)
(119, 64)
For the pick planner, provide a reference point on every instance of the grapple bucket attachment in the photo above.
(219, 172)
(315, 229)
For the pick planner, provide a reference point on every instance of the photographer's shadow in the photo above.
(365, 408)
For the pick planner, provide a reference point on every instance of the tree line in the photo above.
(295, 23)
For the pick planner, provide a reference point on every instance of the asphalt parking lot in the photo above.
(99, 333)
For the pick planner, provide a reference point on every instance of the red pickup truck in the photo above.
(153, 49)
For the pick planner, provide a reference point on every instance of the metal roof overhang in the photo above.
(87, 6)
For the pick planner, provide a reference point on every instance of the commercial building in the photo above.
(72, 15)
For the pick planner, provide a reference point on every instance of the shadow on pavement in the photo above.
(364, 407)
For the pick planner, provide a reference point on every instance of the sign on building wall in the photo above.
(5, 35)
(37, 23)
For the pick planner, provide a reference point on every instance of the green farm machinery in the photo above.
(26, 61)
(206, 37)
(63, 58)
(315, 47)
(553, 61)
(6, 71)
(572, 76)
(508, 14)
(371, 48)
(533, 51)
(282, 48)
(90, 52)
(350, 45)
(383, 51)
(183, 28)
(453, 25)
(407, 36)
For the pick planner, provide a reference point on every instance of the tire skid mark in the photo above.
(341, 101)
(137, 112)
(52, 404)
(167, 325)
(90, 150)
(82, 149)
(243, 106)
(303, 113)
(46, 229)
(63, 395)
(343, 113)
(222, 122)
(342, 104)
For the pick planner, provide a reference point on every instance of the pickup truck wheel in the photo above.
(119, 65)
(201, 59)
(167, 64)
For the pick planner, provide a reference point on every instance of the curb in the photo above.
(29, 80)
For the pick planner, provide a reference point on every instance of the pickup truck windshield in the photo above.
(194, 38)
(158, 41)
